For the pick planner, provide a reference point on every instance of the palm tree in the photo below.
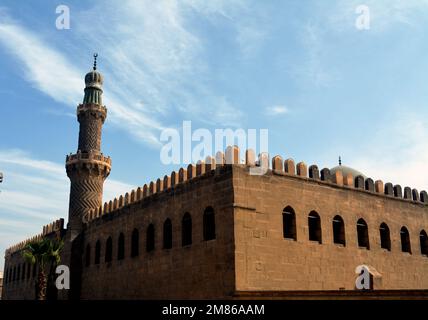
(42, 253)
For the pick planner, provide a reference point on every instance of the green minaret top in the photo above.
(94, 82)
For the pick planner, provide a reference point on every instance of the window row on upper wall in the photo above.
(20, 272)
(209, 233)
(338, 227)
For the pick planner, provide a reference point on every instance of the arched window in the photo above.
(97, 252)
(167, 234)
(186, 230)
(121, 247)
(314, 224)
(424, 242)
(88, 255)
(109, 250)
(150, 243)
(405, 240)
(363, 234)
(135, 243)
(209, 224)
(339, 230)
(385, 239)
(289, 223)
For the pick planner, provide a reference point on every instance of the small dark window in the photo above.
(121, 247)
(363, 234)
(167, 234)
(186, 230)
(314, 224)
(150, 243)
(209, 224)
(14, 274)
(18, 273)
(135, 243)
(424, 242)
(405, 240)
(385, 238)
(88, 255)
(97, 252)
(23, 271)
(339, 231)
(289, 223)
(34, 270)
(28, 271)
(109, 250)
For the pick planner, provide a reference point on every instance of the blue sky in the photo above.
(301, 69)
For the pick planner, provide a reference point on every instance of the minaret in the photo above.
(88, 167)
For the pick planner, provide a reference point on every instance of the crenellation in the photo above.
(139, 194)
(408, 193)
(191, 171)
(126, 199)
(167, 181)
(250, 158)
(325, 174)
(277, 164)
(359, 182)
(232, 155)
(289, 166)
(174, 178)
(159, 185)
(263, 160)
(152, 188)
(398, 192)
(348, 180)
(314, 172)
(145, 191)
(338, 178)
(120, 202)
(415, 195)
(182, 175)
(302, 169)
(389, 189)
(370, 185)
(219, 158)
(200, 168)
(379, 186)
(424, 196)
(210, 163)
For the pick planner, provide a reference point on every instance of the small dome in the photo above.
(94, 79)
(346, 170)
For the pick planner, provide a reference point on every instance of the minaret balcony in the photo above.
(88, 157)
(92, 107)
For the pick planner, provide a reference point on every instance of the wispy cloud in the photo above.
(152, 59)
(276, 110)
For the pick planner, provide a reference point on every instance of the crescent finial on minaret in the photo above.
(95, 61)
